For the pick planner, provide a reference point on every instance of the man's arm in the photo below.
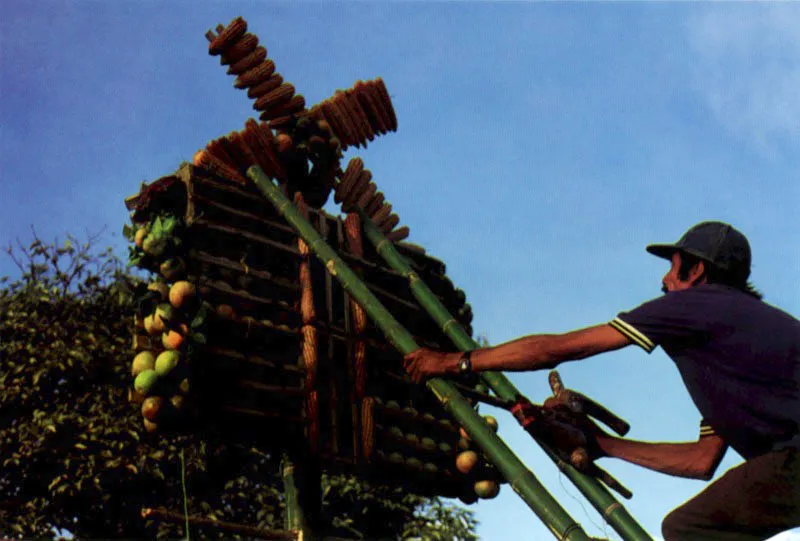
(549, 350)
(695, 460)
(533, 352)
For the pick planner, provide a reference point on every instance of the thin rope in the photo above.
(603, 527)
(185, 503)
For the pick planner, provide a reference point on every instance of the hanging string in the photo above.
(603, 527)
(185, 502)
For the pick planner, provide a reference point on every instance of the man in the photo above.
(740, 361)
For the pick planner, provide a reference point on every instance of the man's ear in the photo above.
(697, 274)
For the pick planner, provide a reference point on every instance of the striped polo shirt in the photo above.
(738, 356)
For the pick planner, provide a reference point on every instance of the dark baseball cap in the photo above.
(717, 243)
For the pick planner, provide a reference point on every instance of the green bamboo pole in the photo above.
(294, 519)
(601, 499)
(522, 480)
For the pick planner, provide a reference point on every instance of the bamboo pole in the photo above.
(519, 477)
(601, 499)
(204, 522)
(295, 519)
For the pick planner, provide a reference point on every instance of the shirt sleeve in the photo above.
(673, 319)
(706, 429)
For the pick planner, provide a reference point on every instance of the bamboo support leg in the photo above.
(601, 499)
(519, 477)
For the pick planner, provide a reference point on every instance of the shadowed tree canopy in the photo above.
(74, 455)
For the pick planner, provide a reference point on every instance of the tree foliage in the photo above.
(74, 456)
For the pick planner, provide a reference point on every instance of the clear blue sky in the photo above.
(540, 147)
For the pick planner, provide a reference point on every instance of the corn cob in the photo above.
(255, 76)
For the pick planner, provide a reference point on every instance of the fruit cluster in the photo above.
(170, 320)
(482, 478)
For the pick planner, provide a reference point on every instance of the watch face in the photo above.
(464, 365)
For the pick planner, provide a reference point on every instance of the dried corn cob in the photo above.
(355, 106)
(358, 189)
(370, 108)
(240, 49)
(398, 234)
(367, 195)
(373, 206)
(382, 213)
(282, 122)
(341, 101)
(250, 61)
(354, 168)
(274, 97)
(387, 102)
(219, 168)
(263, 158)
(389, 224)
(372, 95)
(255, 76)
(248, 157)
(228, 36)
(294, 106)
(275, 80)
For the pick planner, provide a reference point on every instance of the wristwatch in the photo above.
(465, 363)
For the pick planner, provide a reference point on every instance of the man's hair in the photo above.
(716, 275)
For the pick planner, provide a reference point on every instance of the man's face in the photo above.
(671, 281)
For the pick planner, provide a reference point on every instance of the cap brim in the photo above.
(663, 250)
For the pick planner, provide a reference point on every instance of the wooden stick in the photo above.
(168, 516)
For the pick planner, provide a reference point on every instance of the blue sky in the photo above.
(540, 147)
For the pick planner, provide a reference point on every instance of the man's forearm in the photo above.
(527, 353)
(695, 460)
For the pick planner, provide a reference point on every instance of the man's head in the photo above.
(709, 252)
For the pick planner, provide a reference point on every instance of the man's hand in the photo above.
(425, 363)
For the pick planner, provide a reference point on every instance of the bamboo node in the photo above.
(611, 508)
(331, 266)
(447, 323)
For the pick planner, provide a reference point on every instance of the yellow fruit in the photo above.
(181, 292)
(466, 461)
(166, 362)
(226, 311)
(177, 401)
(172, 339)
(164, 312)
(144, 360)
(160, 287)
(172, 269)
(139, 238)
(149, 325)
(491, 421)
(151, 407)
(487, 489)
(145, 381)
(150, 426)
